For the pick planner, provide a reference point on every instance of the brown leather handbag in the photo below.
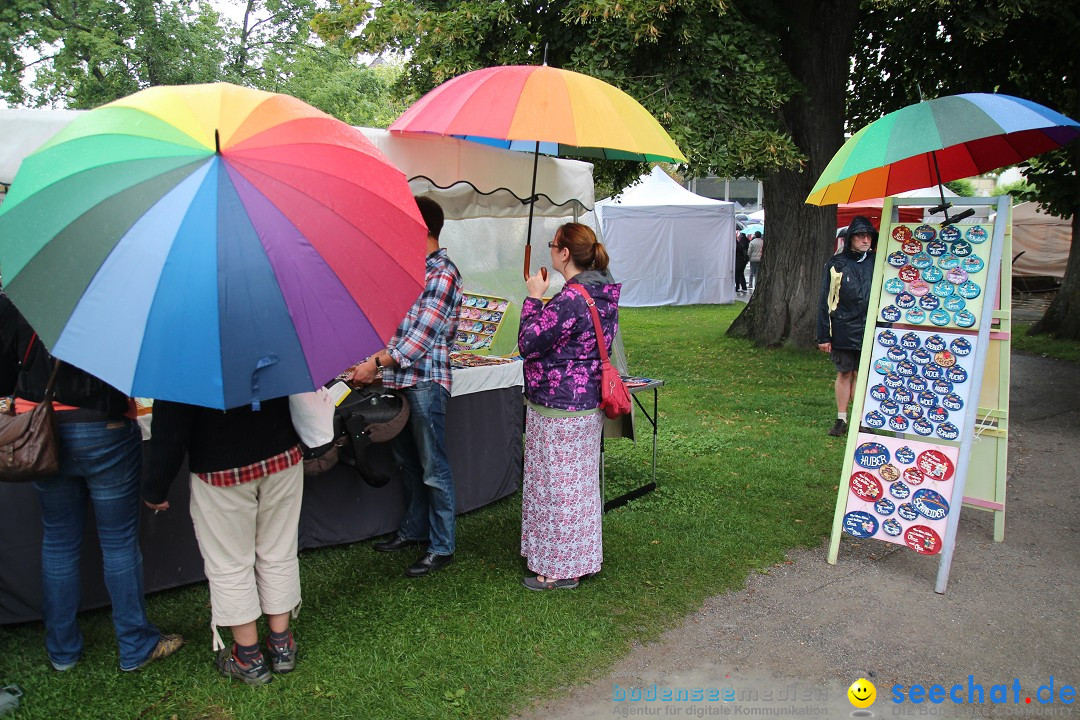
(29, 447)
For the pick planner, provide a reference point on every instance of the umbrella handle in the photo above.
(528, 258)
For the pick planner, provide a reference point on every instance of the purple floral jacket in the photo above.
(558, 343)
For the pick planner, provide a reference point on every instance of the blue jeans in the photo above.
(100, 462)
(429, 485)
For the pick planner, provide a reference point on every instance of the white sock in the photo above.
(841, 416)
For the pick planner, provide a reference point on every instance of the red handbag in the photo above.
(614, 397)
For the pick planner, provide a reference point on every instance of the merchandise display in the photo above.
(464, 360)
(479, 319)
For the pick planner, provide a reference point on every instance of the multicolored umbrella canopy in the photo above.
(936, 141)
(211, 244)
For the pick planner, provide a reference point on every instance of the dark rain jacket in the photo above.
(845, 292)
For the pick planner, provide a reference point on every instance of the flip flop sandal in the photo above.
(533, 584)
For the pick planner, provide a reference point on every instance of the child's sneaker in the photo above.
(282, 657)
(254, 673)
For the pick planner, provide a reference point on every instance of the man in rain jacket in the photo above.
(845, 295)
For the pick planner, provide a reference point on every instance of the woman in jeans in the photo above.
(100, 465)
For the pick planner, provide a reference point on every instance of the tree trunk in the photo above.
(815, 46)
(1062, 318)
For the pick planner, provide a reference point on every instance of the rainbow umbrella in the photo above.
(936, 141)
(542, 110)
(211, 244)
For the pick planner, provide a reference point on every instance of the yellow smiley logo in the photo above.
(862, 693)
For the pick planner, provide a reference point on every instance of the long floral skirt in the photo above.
(560, 500)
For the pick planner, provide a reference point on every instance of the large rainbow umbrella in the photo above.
(211, 244)
(542, 110)
(936, 141)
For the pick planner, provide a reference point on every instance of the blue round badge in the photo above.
(942, 387)
(892, 528)
(871, 455)
(948, 261)
(940, 318)
(930, 303)
(921, 260)
(964, 318)
(948, 431)
(952, 401)
(893, 381)
(897, 259)
(879, 392)
(968, 290)
(933, 275)
(905, 301)
(905, 368)
(925, 233)
(927, 399)
(915, 316)
(921, 356)
(937, 414)
(917, 384)
(886, 338)
(890, 408)
(955, 303)
(910, 341)
(931, 504)
(896, 354)
(898, 423)
(935, 343)
(894, 285)
(923, 427)
(885, 506)
(933, 371)
(890, 313)
(956, 374)
(907, 511)
(962, 249)
(972, 264)
(911, 410)
(950, 233)
(902, 396)
(976, 234)
(860, 524)
(942, 288)
(936, 248)
(905, 455)
(883, 366)
(960, 346)
(899, 490)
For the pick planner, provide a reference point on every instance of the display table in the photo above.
(636, 386)
(483, 438)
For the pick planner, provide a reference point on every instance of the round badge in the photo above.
(956, 375)
(948, 431)
(901, 233)
(917, 384)
(883, 366)
(956, 276)
(975, 234)
(920, 356)
(964, 318)
(935, 343)
(899, 490)
(919, 289)
(912, 476)
(927, 399)
(894, 285)
(890, 408)
(929, 303)
(950, 233)
(948, 261)
(939, 317)
(871, 455)
(962, 250)
(910, 341)
(905, 301)
(922, 539)
(911, 247)
(937, 414)
(903, 396)
(925, 233)
(952, 401)
(933, 275)
(968, 290)
(942, 387)
(884, 506)
(912, 410)
(944, 358)
(921, 260)
(889, 472)
(470, 301)
(893, 381)
(879, 392)
(897, 259)
(923, 427)
(905, 368)
(935, 464)
(907, 511)
(972, 264)
(860, 524)
(896, 354)
(908, 274)
(905, 455)
(915, 316)
(936, 248)
(886, 338)
(890, 313)
(932, 372)
(954, 303)
(865, 486)
(898, 423)
(931, 504)
(892, 528)
(942, 288)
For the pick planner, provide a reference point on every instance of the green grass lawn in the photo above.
(745, 472)
(1044, 344)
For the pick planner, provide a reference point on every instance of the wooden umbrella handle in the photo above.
(528, 258)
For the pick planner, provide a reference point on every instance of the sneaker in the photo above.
(166, 646)
(254, 674)
(839, 429)
(282, 657)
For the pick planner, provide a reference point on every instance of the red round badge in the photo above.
(922, 539)
(901, 233)
(865, 486)
(911, 247)
(908, 274)
(913, 476)
(935, 464)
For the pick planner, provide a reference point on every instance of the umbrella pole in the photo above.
(944, 206)
(532, 204)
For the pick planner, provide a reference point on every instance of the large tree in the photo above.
(1025, 48)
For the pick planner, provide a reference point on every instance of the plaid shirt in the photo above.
(254, 471)
(421, 345)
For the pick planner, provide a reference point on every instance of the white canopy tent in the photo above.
(669, 246)
(1040, 242)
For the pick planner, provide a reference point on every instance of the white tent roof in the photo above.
(657, 189)
(1043, 239)
(468, 179)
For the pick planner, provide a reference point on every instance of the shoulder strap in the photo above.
(595, 321)
(50, 386)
